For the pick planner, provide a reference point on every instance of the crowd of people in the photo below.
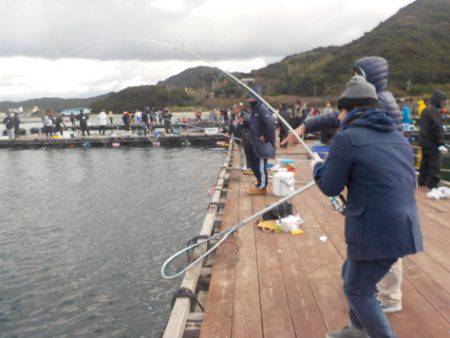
(54, 123)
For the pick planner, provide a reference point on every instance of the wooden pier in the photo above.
(278, 285)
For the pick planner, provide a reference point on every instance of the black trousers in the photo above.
(430, 167)
(283, 134)
(84, 129)
(168, 127)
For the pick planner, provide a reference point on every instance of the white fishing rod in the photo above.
(226, 233)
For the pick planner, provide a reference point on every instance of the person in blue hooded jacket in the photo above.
(373, 160)
(262, 126)
(375, 70)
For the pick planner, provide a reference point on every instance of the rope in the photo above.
(185, 293)
(192, 241)
(223, 235)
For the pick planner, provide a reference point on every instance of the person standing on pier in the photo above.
(375, 162)
(262, 129)
(138, 117)
(8, 121)
(102, 122)
(59, 124)
(111, 118)
(146, 121)
(16, 121)
(83, 118)
(72, 119)
(47, 121)
(286, 114)
(126, 119)
(431, 140)
(167, 118)
(375, 70)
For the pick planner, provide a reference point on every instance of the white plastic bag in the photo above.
(291, 222)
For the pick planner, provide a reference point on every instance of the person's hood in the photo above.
(257, 89)
(375, 69)
(437, 98)
(371, 118)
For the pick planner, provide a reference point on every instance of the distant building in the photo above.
(16, 110)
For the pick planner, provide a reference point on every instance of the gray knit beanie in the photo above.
(358, 93)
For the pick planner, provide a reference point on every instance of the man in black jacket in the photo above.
(83, 118)
(431, 140)
(262, 132)
(286, 114)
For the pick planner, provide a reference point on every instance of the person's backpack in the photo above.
(281, 211)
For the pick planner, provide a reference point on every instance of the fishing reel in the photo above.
(338, 203)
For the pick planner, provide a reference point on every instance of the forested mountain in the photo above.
(415, 41)
(133, 98)
(54, 103)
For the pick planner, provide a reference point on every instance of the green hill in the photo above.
(133, 98)
(196, 77)
(54, 103)
(415, 41)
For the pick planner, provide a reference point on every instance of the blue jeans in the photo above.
(259, 167)
(360, 280)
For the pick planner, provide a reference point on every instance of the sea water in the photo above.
(83, 234)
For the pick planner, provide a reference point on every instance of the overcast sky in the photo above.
(74, 48)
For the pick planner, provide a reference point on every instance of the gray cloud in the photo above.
(220, 30)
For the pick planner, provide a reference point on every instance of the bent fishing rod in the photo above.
(225, 233)
(230, 75)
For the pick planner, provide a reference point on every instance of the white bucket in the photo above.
(283, 183)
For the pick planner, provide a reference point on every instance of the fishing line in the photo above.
(230, 75)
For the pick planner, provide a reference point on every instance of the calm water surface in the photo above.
(83, 234)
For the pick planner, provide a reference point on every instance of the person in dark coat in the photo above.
(375, 162)
(375, 70)
(72, 119)
(16, 121)
(262, 132)
(431, 140)
(286, 114)
(167, 118)
(8, 121)
(83, 118)
(126, 119)
(59, 124)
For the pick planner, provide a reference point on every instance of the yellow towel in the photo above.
(269, 226)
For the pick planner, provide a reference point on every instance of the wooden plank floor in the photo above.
(278, 285)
